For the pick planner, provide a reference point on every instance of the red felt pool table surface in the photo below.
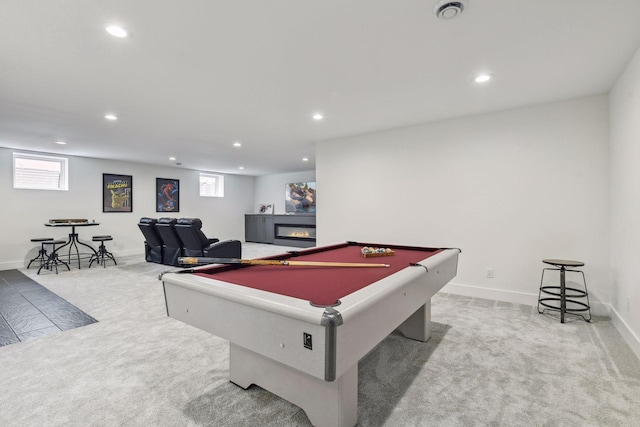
(322, 286)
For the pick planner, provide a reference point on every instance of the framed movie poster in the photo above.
(117, 193)
(167, 195)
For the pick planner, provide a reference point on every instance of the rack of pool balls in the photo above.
(369, 252)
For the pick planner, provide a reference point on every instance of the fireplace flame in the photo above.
(299, 234)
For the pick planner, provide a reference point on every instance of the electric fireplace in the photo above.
(298, 232)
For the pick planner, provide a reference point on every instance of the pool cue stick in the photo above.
(205, 260)
(204, 263)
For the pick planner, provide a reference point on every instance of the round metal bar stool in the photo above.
(564, 299)
(42, 253)
(52, 260)
(103, 254)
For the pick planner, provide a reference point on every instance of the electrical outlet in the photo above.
(489, 273)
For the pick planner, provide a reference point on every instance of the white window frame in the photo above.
(42, 178)
(211, 189)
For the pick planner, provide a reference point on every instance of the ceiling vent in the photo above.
(447, 9)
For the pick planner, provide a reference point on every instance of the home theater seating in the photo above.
(167, 239)
(152, 240)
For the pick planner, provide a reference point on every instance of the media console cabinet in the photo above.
(286, 230)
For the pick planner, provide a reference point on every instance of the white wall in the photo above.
(624, 104)
(508, 188)
(271, 188)
(25, 211)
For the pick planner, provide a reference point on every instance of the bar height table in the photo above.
(73, 236)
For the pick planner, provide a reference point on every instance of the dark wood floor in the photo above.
(29, 310)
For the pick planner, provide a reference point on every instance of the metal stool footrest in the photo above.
(42, 253)
(563, 298)
(102, 255)
(579, 293)
(53, 260)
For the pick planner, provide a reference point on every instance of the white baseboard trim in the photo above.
(597, 308)
(627, 334)
(129, 252)
(489, 293)
(10, 265)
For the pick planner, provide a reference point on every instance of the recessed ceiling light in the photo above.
(110, 117)
(172, 158)
(305, 159)
(318, 116)
(117, 31)
(482, 78)
(237, 144)
(240, 167)
(448, 9)
(61, 142)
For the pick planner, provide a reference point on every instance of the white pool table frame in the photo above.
(265, 331)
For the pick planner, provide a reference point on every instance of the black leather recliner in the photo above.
(196, 244)
(172, 244)
(193, 239)
(224, 249)
(153, 242)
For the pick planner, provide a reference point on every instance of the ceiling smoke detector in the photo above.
(447, 9)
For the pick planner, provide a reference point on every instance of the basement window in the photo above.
(40, 172)
(211, 185)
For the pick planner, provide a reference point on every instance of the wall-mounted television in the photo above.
(300, 197)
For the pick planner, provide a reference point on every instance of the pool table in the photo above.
(299, 331)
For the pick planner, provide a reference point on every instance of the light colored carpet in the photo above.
(487, 363)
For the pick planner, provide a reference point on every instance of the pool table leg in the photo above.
(418, 325)
(326, 403)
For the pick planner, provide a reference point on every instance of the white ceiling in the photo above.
(198, 75)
